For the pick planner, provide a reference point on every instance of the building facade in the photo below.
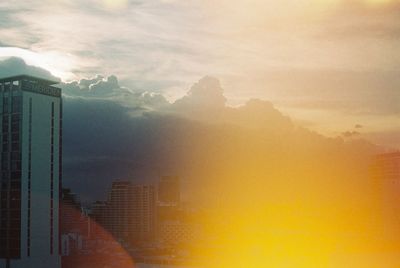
(178, 231)
(169, 190)
(130, 212)
(119, 210)
(144, 213)
(31, 152)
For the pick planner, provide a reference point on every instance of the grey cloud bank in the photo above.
(112, 132)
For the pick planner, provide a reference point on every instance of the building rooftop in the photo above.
(45, 81)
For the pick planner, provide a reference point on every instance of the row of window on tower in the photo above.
(10, 194)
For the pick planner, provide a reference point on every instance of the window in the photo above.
(16, 166)
(5, 124)
(5, 105)
(15, 123)
(15, 156)
(4, 204)
(4, 161)
(52, 180)
(5, 147)
(15, 146)
(5, 137)
(15, 118)
(16, 175)
(7, 87)
(16, 104)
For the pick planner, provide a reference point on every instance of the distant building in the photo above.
(137, 212)
(99, 218)
(119, 208)
(71, 244)
(71, 213)
(178, 231)
(74, 225)
(169, 189)
(143, 217)
(129, 213)
(387, 167)
(386, 172)
(30, 177)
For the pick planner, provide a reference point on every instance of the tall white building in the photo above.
(30, 163)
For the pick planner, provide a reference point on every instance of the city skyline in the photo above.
(200, 133)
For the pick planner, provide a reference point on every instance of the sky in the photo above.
(331, 65)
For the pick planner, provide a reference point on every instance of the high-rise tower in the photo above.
(30, 177)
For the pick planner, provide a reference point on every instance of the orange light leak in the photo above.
(305, 206)
(101, 248)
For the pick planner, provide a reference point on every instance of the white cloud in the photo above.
(60, 65)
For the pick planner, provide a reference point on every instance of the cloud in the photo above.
(16, 66)
(101, 88)
(258, 113)
(104, 85)
(86, 83)
(136, 28)
(358, 126)
(97, 86)
(351, 134)
(113, 132)
(207, 92)
(204, 99)
(169, 44)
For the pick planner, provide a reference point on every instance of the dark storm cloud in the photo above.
(102, 142)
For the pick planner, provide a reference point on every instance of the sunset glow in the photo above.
(199, 133)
